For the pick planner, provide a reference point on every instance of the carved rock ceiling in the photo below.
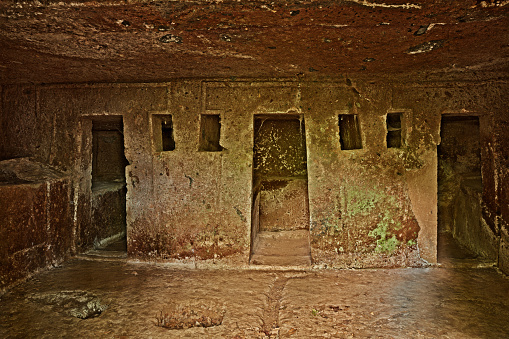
(150, 41)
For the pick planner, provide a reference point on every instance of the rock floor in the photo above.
(122, 299)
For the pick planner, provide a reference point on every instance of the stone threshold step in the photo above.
(284, 248)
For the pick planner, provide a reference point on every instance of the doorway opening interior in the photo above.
(280, 220)
(459, 189)
(109, 184)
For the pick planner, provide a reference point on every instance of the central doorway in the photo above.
(280, 223)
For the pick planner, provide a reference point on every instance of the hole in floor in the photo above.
(79, 304)
(182, 317)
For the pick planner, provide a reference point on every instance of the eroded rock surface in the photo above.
(398, 303)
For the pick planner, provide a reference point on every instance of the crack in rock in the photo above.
(373, 4)
(270, 319)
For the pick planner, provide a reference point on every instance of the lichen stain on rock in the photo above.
(361, 200)
(392, 228)
(386, 242)
(377, 218)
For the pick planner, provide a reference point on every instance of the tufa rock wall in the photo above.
(373, 206)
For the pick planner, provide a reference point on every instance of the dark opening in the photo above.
(108, 160)
(162, 132)
(460, 232)
(394, 130)
(210, 130)
(108, 184)
(349, 132)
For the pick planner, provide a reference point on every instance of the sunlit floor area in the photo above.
(120, 299)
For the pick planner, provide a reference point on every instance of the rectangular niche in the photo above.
(162, 133)
(210, 133)
(349, 132)
(394, 130)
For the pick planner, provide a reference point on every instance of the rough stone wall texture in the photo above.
(468, 226)
(359, 200)
(19, 124)
(503, 259)
(3, 137)
(34, 220)
(482, 99)
(313, 39)
(284, 205)
(501, 154)
(368, 207)
(108, 212)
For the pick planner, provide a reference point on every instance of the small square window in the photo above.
(210, 133)
(349, 132)
(394, 130)
(162, 132)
